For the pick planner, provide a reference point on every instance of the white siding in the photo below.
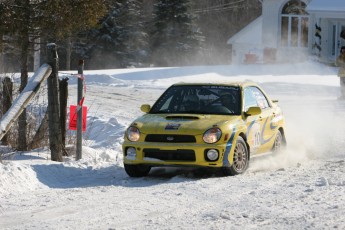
(327, 12)
(271, 22)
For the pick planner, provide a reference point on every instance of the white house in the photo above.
(292, 30)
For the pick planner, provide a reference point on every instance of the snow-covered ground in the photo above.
(303, 188)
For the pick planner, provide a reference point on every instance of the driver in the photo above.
(191, 103)
(228, 100)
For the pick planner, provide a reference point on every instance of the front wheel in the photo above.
(240, 160)
(137, 170)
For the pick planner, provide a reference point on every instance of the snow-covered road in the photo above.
(302, 188)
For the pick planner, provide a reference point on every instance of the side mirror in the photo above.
(145, 108)
(252, 111)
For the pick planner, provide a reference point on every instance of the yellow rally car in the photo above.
(208, 125)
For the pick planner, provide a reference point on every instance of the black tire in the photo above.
(137, 170)
(279, 143)
(240, 161)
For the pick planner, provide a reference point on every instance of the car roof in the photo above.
(227, 83)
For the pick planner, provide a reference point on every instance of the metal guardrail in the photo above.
(24, 98)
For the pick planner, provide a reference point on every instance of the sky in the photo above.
(301, 188)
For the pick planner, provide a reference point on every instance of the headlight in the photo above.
(212, 135)
(133, 133)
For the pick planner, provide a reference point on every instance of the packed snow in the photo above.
(301, 188)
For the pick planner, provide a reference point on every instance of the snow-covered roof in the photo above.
(246, 35)
(326, 6)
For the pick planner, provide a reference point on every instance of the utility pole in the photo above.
(80, 109)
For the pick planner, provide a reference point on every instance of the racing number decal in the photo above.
(254, 134)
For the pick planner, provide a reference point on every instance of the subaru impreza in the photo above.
(218, 125)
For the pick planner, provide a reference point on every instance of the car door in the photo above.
(266, 117)
(259, 132)
(253, 122)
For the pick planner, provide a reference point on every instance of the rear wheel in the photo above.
(137, 170)
(278, 142)
(240, 160)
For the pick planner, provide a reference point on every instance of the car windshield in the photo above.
(199, 99)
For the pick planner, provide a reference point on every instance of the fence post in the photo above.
(7, 101)
(63, 86)
(55, 140)
(80, 110)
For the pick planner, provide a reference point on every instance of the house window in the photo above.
(294, 24)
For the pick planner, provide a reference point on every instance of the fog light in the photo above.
(131, 153)
(212, 155)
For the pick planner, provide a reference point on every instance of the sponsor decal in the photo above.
(250, 126)
(263, 141)
(172, 126)
(228, 148)
(272, 126)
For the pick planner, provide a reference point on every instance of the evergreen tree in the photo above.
(77, 16)
(25, 20)
(176, 40)
(120, 40)
(13, 16)
(133, 36)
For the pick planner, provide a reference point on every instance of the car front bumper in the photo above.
(159, 154)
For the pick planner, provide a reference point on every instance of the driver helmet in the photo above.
(227, 96)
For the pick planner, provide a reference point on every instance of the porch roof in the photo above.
(327, 8)
(251, 34)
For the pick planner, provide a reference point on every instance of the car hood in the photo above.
(182, 123)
